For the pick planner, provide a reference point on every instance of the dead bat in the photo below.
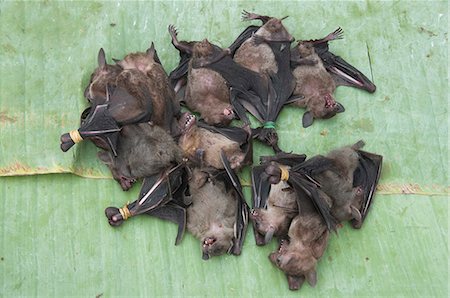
(214, 81)
(318, 72)
(307, 240)
(164, 103)
(350, 180)
(163, 195)
(202, 144)
(218, 215)
(348, 176)
(143, 150)
(275, 219)
(266, 50)
(297, 172)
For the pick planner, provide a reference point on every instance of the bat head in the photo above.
(295, 261)
(202, 49)
(103, 74)
(143, 62)
(305, 48)
(275, 31)
(218, 243)
(321, 106)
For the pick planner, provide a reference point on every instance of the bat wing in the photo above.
(127, 109)
(174, 213)
(180, 71)
(344, 74)
(283, 81)
(246, 34)
(98, 123)
(158, 190)
(288, 159)
(318, 197)
(367, 175)
(260, 195)
(240, 227)
(236, 134)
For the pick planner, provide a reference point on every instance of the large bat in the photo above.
(218, 216)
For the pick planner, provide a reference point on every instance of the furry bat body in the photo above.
(202, 144)
(350, 181)
(143, 150)
(218, 215)
(307, 240)
(318, 72)
(267, 52)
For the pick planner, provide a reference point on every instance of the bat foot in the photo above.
(114, 217)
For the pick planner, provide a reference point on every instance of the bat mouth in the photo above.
(330, 103)
(187, 121)
(209, 241)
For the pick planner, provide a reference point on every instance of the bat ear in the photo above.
(295, 282)
(308, 119)
(101, 58)
(339, 108)
(151, 52)
(311, 277)
(105, 157)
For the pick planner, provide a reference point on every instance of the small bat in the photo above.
(350, 179)
(214, 81)
(202, 144)
(143, 150)
(162, 195)
(318, 72)
(307, 240)
(218, 215)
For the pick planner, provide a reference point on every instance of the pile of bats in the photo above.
(188, 166)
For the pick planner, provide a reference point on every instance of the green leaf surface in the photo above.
(55, 240)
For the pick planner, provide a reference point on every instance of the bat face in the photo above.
(298, 256)
(281, 208)
(202, 49)
(212, 215)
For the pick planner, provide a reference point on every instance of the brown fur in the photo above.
(338, 182)
(313, 82)
(143, 150)
(157, 84)
(196, 138)
(212, 214)
(281, 208)
(260, 58)
(308, 239)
